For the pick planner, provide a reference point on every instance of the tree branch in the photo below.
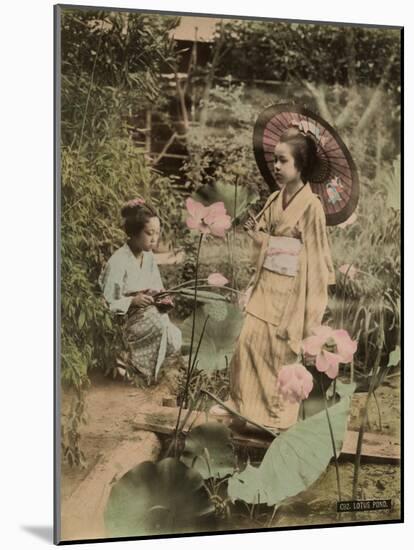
(165, 149)
(375, 100)
(181, 97)
(318, 93)
(345, 115)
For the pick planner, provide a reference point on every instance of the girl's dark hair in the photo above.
(136, 216)
(304, 151)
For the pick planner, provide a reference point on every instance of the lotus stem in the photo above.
(344, 298)
(338, 484)
(200, 287)
(181, 285)
(238, 415)
(378, 409)
(180, 293)
(271, 519)
(191, 348)
(182, 425)
(365, 413)
(191, 369)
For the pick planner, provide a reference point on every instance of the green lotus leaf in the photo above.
(217, 311)
(209, 450)
(296, 458)
(394, 357)
(243, 197)
(158, 498)
(394, 360)
(219, 338)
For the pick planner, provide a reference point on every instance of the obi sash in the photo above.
(282, 255)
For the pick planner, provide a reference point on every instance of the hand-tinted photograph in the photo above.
(228, 274)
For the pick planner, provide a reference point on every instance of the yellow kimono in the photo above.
(282, 309)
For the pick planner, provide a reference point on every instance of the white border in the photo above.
(27, 268)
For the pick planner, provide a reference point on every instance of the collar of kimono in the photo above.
(289, 217)
(129, 253)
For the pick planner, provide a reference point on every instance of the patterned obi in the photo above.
(282, 255)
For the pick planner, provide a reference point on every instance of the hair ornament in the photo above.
(135, 202)
(306, 127)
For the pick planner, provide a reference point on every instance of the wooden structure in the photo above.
(162, 420)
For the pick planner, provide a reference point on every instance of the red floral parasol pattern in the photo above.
(334, 177)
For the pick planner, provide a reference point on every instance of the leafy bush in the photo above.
(111, 67)
(221, 151)
(92, 195)
(367, 303)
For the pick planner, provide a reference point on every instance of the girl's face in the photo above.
(148, 238)
(285, 169)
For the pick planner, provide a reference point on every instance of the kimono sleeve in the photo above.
(320, 272)
(264, 221)
(111, 282)
(263, 226)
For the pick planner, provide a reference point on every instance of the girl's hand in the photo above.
(142, 300)
(164, 304)
(250, 224)
(250, 227)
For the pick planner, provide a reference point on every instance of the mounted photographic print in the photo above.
(228, 274)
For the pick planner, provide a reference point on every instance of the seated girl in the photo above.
(129, 282)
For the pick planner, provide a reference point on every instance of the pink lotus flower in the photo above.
(349, 270)
(325, 337)
(294, 382)
(197, 212)
(211, 219)
(345, 345)
(328, 363)
(217, 279)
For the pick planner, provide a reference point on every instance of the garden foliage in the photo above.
(111, 73)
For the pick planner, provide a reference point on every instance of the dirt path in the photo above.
(110, 406)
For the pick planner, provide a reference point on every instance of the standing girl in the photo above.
(300, 155)
(290, 288)
(128, 281)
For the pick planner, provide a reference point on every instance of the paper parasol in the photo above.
(334, 177)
